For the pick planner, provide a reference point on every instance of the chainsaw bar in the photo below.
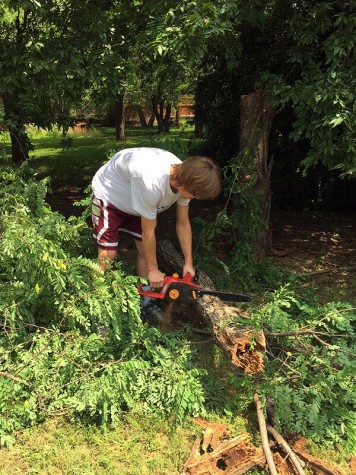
(226, 296)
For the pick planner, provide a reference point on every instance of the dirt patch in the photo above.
(320, 247)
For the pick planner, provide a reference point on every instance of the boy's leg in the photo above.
(150, 308)
(105, 255)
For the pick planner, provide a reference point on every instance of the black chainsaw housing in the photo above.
(181, 293)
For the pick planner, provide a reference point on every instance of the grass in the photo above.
(73, 160)
(139, 446)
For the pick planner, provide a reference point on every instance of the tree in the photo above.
(322, 93)
(304, 47)
(45, 62)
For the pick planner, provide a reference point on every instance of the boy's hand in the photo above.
(156, 278)
(188, 268)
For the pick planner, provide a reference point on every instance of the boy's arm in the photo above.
(184, 233)
(155, 277)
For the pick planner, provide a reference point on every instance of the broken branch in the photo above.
(264, 435)
(284, 444)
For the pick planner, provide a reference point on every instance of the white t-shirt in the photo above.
(136, 181)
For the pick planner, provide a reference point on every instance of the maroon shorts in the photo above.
(109, 221)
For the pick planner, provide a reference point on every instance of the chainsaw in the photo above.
(186, 289)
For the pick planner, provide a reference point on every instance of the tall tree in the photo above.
(305, 47)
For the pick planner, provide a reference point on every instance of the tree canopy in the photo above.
(53, 53)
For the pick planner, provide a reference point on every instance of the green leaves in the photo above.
(53, 300)
(323, 94)
(311, 366)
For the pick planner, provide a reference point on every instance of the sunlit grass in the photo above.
(139, 445)
(73, 159)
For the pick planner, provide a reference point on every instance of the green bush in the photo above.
(53, 300)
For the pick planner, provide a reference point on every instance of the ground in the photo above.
(319, 246)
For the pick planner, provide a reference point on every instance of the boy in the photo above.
(133, 187)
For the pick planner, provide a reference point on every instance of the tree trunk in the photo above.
(142, 117)
(177, 116)
(167, 118)
(20, 143)
(242, 343)
(151, 120)
(256, 116)
(162, 115)
(120, 118)
(198, 112)
(157, 113)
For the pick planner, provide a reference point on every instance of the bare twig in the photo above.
(5, 374)
(308, 332)
(284, 363)
(264, 435)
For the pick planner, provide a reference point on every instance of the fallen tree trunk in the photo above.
(242, 343)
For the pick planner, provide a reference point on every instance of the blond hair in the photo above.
(200, 176)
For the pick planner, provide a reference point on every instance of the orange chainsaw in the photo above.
(186, 289)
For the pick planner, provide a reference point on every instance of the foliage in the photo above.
(322, 96)
(54, 304)
(46, 57)
(235, 227)
(310, 357)
(309, 371)
(310, 374)
(239, 268)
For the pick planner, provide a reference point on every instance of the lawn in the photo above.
(73, 160)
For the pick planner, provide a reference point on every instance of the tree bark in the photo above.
(318, 465)
(162, 114)
(120, 118)
(156, 113)
(177, 116)
(142, 117)
(167, 117)
(151, 120)
(264, 436)
(256, 117)
(237, 456)
(287, 449)
(20, 142)
(243, 344)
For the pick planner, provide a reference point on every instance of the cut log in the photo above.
(242, 343)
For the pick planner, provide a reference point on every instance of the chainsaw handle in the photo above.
(151, 293)
(161, 292)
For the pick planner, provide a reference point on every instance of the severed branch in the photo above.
(264, 436)
(284, 444)
(307, 332)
